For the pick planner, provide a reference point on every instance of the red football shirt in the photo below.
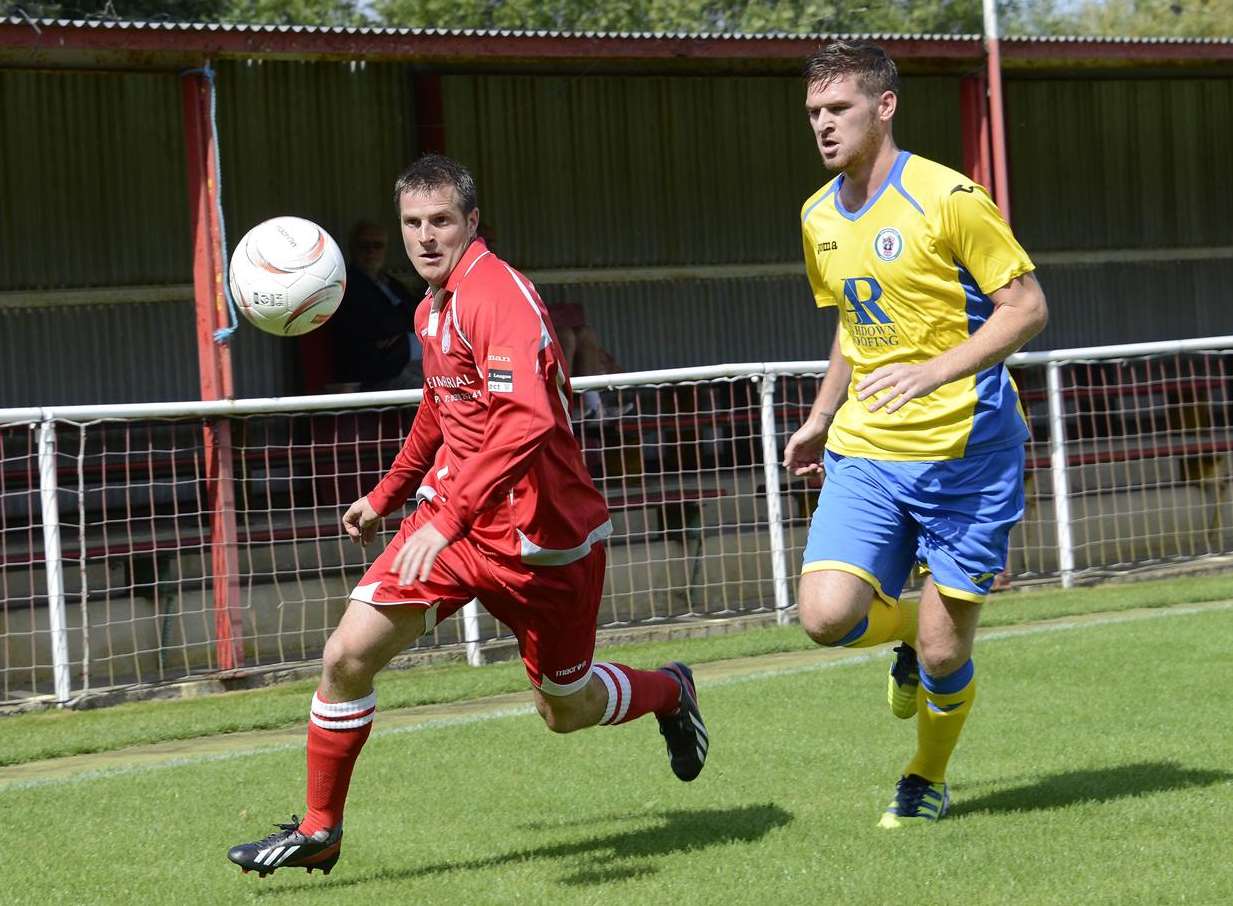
(491, 445)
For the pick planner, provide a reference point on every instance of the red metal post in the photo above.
(974, 118)
(997, 127)
(214, 364)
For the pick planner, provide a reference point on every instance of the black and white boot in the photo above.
(288, 848)
(684, 731)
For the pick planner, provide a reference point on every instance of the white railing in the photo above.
(125, 563)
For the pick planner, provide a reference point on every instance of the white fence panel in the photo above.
(107, 538)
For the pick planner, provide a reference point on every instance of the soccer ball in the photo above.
(287, 276)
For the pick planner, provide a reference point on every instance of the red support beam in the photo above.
(214, 363)
(974, 122)
(997, 128)
(145, 42)
(138, 45)
(1076, 52)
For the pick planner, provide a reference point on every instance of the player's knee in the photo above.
(559, 723)
(824, 624)
(559, 715)
(942, 658)
(343, 665)
(560, 720)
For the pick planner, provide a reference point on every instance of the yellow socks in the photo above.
(884, 623)
(944, 705)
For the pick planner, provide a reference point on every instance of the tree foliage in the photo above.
(1180, 18)
(131, 10)
(716, 16)
(281, 12)
(295, 12)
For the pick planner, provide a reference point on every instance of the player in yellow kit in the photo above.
(917, 425)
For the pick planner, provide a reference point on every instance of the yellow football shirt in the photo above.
(911, 273)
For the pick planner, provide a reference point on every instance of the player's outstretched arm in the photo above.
(803, 454)
(1019, 313)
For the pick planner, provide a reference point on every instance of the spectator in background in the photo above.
(580, 345)
(583, 352)
(374, 345)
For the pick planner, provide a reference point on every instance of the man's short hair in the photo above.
(433, 171)
(874, 70)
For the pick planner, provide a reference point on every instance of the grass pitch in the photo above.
(1095, 769)
(55, 734)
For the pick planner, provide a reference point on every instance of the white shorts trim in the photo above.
(535, 555)
(364, 594)
(548, 687)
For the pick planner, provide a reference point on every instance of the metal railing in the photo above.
(124, 564)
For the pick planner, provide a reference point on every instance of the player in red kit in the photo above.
(506, 513)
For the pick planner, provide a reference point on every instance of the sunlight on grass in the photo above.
(51, 734)
(1081, 779)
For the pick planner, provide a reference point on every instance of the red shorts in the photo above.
(551, 609)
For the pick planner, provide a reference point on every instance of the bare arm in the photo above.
(803, 453)
(1019, 313)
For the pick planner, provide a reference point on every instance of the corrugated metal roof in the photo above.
(144, 352)
(666, 163)
(96, 44)
(256, 28)
(1151, 170)
(1110, 39)
(93, 184)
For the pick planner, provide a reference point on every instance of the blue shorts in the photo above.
(877, 519)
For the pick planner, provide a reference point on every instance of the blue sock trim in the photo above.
(950, 684)
(856, 632)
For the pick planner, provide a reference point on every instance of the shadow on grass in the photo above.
(1093, 785)
(672, 832)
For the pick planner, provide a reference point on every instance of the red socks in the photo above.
(632, 693)
(338, 730)
(336, 733)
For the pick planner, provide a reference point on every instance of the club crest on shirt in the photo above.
(888, 244)
(500, 370)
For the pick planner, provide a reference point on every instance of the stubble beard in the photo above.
(865, 152)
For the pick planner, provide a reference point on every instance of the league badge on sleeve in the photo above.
(500, 370)
(888, 244)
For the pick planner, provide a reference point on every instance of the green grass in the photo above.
(53, 734)
(1095, 770)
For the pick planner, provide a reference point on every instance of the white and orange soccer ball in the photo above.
(287, 276)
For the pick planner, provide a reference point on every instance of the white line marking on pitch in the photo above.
(715, 673)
